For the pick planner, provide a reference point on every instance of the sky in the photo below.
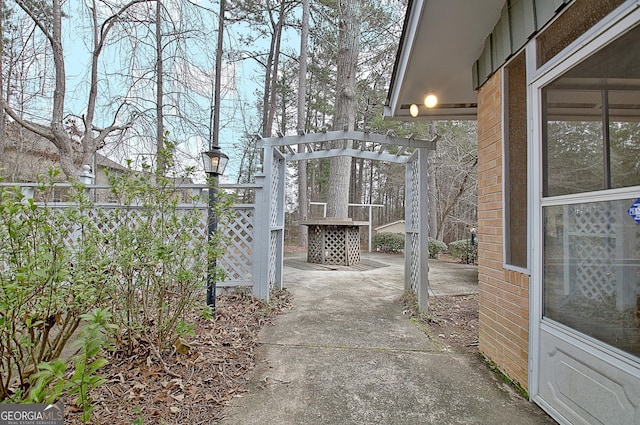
(240, 77)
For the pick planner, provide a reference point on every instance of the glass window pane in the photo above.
(574, 142)
(592, 271)
(591, 122)
(624, 133)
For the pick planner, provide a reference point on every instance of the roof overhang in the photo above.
(440, 42)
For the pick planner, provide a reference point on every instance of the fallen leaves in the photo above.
(181, 346)
(193, 382)
(453, 319)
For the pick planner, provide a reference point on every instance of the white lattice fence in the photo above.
(237, 261)
(592, 245)
(276, 219)
(417, 231)
(414, 261)
(108, 217)
(353, 245)
(273, 260)
(314, 250)
(335, 245)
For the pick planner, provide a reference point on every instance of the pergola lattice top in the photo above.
(375, 146)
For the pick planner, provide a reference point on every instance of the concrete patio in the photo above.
(346, 354)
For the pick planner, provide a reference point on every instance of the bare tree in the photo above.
(160, 163)
(162, 69)
(303, 198)
(24, 57)
(453, 169)
(213, 141)
(49, 23)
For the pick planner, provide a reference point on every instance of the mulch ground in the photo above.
(191, 387)
(452, 320)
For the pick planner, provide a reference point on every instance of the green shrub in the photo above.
(51, 381)
(46, 286)
(394, 242)
(82, 275)
(464, 251)
(388, 242)
(160, 263)
(436, 247)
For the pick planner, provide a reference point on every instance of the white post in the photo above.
(260, 255)
(86, 177)
(423, 229)
(277, 201)
(27, 191)
(370, 225)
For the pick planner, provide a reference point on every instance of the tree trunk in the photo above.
(60, 137)
(303, 198)
(160, 160)
(276, 64)
(348, 49)
(218, 78)
(271, 75)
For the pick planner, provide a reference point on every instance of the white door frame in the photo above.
(619, 21)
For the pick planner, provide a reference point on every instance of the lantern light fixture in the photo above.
(214, 161)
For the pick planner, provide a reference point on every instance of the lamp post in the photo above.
(474, 231)
(214, 164)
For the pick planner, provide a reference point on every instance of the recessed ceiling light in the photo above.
(430, 100)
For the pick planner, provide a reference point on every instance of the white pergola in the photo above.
(269, 235)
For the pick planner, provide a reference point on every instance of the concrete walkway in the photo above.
(346, 354)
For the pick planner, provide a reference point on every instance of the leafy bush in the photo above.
(51, 380)
(464, 251)
(388, 242)
(436, 247)
(159, 262)
(80, 275)
(45, 285)
(394, 242)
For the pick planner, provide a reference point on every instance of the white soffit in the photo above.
(442, 40)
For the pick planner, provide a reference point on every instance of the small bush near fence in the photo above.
(394, 242)
(464, 251)
(436, 247)
(45, 288)
(121, 279)
(388, 242)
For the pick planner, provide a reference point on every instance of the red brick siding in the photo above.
(504, 294)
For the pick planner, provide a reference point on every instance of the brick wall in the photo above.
(504, 294)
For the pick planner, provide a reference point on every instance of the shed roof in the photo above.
(384, 226)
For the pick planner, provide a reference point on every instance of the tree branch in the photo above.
(36, 128)
(111, 21)
(36, 20)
